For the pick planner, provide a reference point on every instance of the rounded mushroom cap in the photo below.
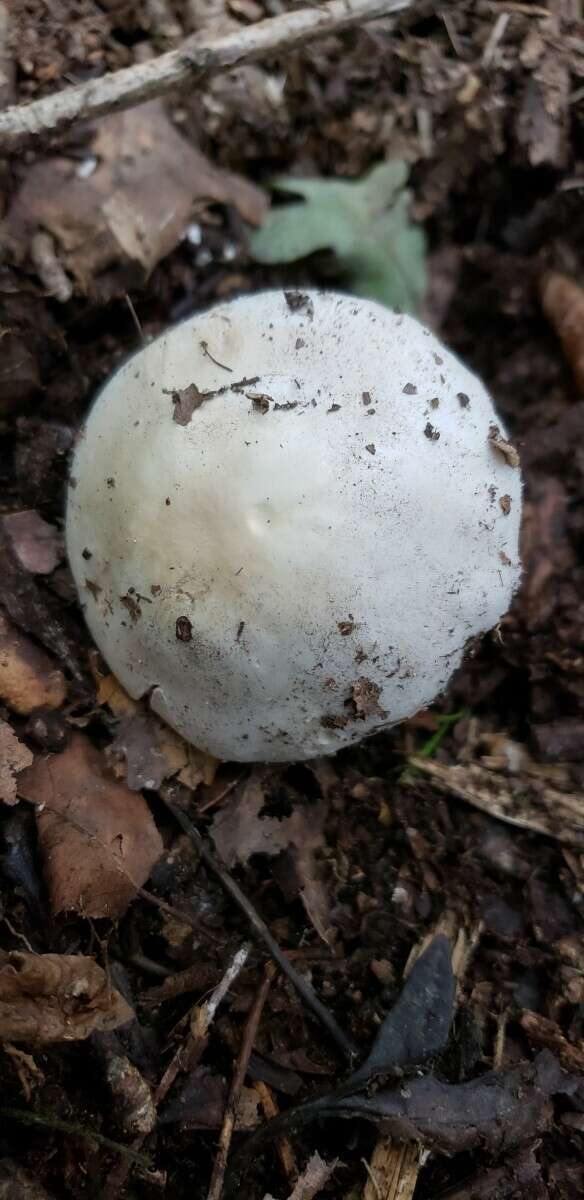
(287, 516)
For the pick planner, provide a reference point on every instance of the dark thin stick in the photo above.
(262, 932)
(249, 1036)
(215, 800)
(178, 913)
(47, 1121)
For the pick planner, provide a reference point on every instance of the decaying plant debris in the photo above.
(140, 1029)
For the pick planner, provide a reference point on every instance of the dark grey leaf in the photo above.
(499, 1111)
(418, 1025)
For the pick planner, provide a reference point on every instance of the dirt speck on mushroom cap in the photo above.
(283, 521)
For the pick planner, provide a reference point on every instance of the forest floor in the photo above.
(354, 862)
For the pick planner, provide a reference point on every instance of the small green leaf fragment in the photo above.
(365, 223)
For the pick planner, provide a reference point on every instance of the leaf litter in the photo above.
(497, 1111)
(14, 757)
(242, 828)
(47, 998)
(112, 225)
(395, 852)
(97, 838)
(29, 679)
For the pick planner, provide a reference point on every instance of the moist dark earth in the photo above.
(469, 818)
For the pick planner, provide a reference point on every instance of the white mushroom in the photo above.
(287, 516)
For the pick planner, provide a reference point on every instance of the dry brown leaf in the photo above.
(152, 752)
(56, 998)
(134, 207)
(38, 546)
(192, 766)
(200, 1103)
(546, 550)
(239, 830)
(28, 679)
(98, 839)
(14, 757)
(109, 690)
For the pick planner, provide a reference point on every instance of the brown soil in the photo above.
(490, 114)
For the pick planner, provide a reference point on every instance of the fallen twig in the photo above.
(535, 806)
(249, 1036)
(393, 1171)
(185, 1059)
(261, 930)
(48, 1121)
(283, 1146)
(189, 1055)
(195, 59)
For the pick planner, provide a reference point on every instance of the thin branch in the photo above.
(285, 1151)
(229, 1119)
(185, 1059)
(184, 67)
(202, 1016)
(261, 930)
(48, 1121)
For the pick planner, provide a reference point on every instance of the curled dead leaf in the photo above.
(48, 998)
(190, 765)
(134, 1106)
(98, 839)
(14, 757)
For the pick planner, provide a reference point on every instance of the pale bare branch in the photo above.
(195, 59)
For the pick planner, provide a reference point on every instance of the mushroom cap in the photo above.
(286, 518)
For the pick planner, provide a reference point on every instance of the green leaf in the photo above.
(365, 223)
